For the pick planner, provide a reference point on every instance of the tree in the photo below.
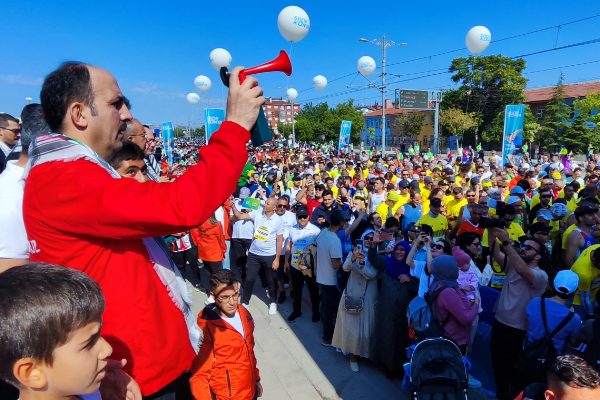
(588, 104)
(530, 126)
(556, 118)
(488, 85)
(578, 135)
(284, 130)
(410, 124)
(455, 122)
(315, 121)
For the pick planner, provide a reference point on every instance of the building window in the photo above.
(426, 119)
(540, 113)
(424, 140)
(269, 106)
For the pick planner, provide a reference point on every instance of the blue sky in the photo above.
(156, 49)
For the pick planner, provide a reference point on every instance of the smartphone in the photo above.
(385, 236)
(359, 244)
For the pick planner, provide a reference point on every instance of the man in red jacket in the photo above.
(79, 214)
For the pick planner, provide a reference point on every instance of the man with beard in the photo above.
(322, 212)
(525, 280)
(581, 237)
(545, 198)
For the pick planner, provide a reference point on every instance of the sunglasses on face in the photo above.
(302, 217)
(438, 246)
(545, 197)
(368, 237)
(529, 247)
(284, 206)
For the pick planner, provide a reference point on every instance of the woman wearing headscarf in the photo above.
(398, 288)
(452, 305)
(354, 331)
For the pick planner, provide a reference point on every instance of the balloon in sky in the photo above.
(202, 83)
(220, 58)
(366, 65)
(319, 82)
(292, 94)
(193, 98)
(293, 23)
(478, 39)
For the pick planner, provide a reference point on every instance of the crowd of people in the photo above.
(366, 233)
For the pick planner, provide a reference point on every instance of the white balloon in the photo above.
(193, 98)
(478, 39)
(202, 83)
(366, 65)
(319, 82)
(293, 23)
(292, 94)
(220, 58)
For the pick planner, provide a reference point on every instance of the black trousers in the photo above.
(506, 344)
(255, 264)
(212, 266)
(238, 257)
(330, 300)
(298, 281)
(189, 256)
(179, 389)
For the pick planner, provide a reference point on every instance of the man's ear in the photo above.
(29, 373)
(77, 116)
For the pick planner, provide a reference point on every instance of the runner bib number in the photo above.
(262, 233)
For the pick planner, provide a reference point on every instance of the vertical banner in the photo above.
(512, 141)
(344, 135)
(168, 139)
(213, 118)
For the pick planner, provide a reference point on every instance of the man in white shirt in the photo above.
(301, 235)
(241, 237)
(264, 251)
(289, 220)
(10, 131)
(14, 247)
(293, 191)
(329, 260)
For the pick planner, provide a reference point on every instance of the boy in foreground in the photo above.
(129, 162)
(51, 346)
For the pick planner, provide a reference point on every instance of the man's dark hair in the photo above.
(222, 277)
(337, 217)
(524, 184)
(5, 119)
(457, 190)
(392, 222)
(573, 371)
(285, 197)
(34, 124)
(427, 229)
(328, 193)
(380, 179)
(129, 152)
(70, 82)
(40, 306)
(328, 179)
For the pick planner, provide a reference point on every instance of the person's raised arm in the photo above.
(240, 216)
(410, 259)
(495, 247)
(356, 222)
(574, 242)
(301, 195)
(514, 259)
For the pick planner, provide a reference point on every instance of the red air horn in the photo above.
(261, 133)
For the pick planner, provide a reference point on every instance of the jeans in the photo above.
(179, 389)
(330, 300)
(580, 310)
(238, 257)
(506, 344)
(189, 256)
(255, 264)
(298, 280)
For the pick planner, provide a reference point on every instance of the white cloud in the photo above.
(19, 79)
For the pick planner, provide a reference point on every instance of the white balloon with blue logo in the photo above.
(478, 39)
(320, 82)
(366, 65)
(220, 58)
(202, 83)
(292, 94)
(193, 98)
(293, 23)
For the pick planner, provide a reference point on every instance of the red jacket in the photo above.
(225, 366)
(82, 218)
(210, 241)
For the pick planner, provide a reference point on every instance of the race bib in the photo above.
(295, 257)
(262, 233)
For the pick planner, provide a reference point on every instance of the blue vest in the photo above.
(411, 214)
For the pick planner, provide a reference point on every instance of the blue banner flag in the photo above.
(344, 135)
(213, 118)
(168, 139)
(512, 141)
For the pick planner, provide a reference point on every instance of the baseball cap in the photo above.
(493, 192)
(393, 195)
(566, 282)
(450, 179)
(545, 214)
(539, 227)
(320, 186)
(404, 184)
(559, 209)
(414, 185)
(448, 171)
(244, 192)
(398, 169)
(556, 175)
(301, 212)
(428, 179)
(379, 166)
(435, 202)
(517, 190)
(297, 177)
(543, 173)
(487, 182)
(584, 210)
(513, 200)
(442, 183)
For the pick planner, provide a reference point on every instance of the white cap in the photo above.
(566, 282)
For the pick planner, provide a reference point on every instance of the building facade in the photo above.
(394, 137)
(279, 110)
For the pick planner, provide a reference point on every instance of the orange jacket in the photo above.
(210, 241)
(225, 367)
(228, 226)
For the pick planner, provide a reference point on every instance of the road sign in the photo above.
(413, 99)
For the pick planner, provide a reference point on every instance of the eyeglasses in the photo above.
(438, 246)
(225, 299)
(545, 197)
(284, 206)
(529, 247)
(15, 131)
(368, 237)
(302, 216)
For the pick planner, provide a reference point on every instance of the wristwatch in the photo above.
(507, 242)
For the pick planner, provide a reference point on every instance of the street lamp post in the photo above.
(384, 45)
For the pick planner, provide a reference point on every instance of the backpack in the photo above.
(421, 315)
(307, 261)
(537, 356)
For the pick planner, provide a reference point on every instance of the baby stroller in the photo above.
(437, 371)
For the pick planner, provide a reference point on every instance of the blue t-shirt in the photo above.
(346, 243)
(555, 314)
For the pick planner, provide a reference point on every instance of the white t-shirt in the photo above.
(289, 220)
(266, 231)
(328, 246)
(220, 216)
(236, 322)
(300, 238)
(183, 243)
(424, 280)
(292, 192)
(241, 229)
(13, 238)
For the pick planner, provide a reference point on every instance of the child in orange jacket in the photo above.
(210, 240)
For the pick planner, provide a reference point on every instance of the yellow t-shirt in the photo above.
(535, 200)
(425, 206)
(425, 193)
(589, 275)
(351, 172)
(335, 191)
(382, 210)
(453, 208)
(402, 200)
(498, 277)
(438, 224)
(566, 235)
(514, 232)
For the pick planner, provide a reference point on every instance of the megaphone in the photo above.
(261, 133)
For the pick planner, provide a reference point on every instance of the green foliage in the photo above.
(556, 118)
(455, 122)
(488, 85)
(317, 120)
(589, 103)
(410, 124)
(284, 129)
(578, 135)
(530, 126)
